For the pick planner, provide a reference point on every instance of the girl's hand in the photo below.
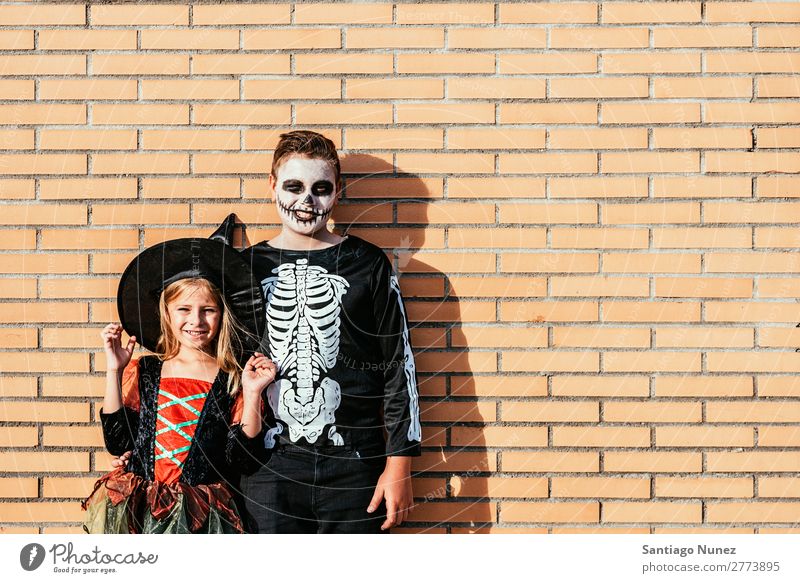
(259, 371)
(117, 356)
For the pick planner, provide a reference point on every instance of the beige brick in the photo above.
(11, 386)
(483, 286)
(160, 214)
(73, 386)
(549, 63)
(696, 337)
(490, 337)
(651, 162)
(229, 14)
(598, 139)
(774, 487)
(19, 436)
(454, 512)
(778, 186)
(746, 12)
(536, 13)
(632, 461)
(233, 64)
(597, 286)
(235, 114)
(499, 38)
(15, 487)
(352, 113)
(441, 63)
(761, 162)
(600, 386)
(206, 89)
(16, 139)
(142, 64)
(752, 262)
(476, 486)
(783, 386)
(604, 187)
(149, 114)
(778, 436)
(581, 163)
(778, 36)
(598, 237)
(702, 37)
(751, 312)
(140, 163)
(705, 88)
(500, 386)
(505, 437)
(87, 140)
(701, 186)
(604, 437)
(16, 90)
(41, 512)
(46, 412)
(327, 63)
(43, 114)
(548, 113)
(625, 63)
(89, 188)
(336, 13)
(27, 14)
(779, 337)
(498, 138)
(139, 15)
(650, 113)
(43, 64)
(649, 311)
(655, 12)
(454, 462)
(652, 412)
(20, 189)
(778, 138)
(583, 87)
(550, 412)
(600, 487)
(751, 62)
(657, 361)
(752, 461)
(496, 187)
(23, 239)
(680, 436)
(171, 38)
(778, 112)
(658, 213)
(753, 362)
(703, 487)
(753, 512)
(16, 39)
(397, 38)
(651, 263)
(548, 213)
(758, 411)
(292, 89)
(445, 113)
(548, 311)
(550, 461)
(550, 512)
(702, 238)
(778, 87)
(663, 512)
(42, 214)
(588, 37)
(72, 40)
(605, 337)
(68, 487)
(44, 263)
(703, 287)
(386, 88)
(292, 38)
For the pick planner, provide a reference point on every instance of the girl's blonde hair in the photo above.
(228, 341)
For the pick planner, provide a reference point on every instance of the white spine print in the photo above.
(304, 303)
(414, 429)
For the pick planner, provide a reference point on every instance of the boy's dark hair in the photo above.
(305, 143)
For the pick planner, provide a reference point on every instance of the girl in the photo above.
(178, 405)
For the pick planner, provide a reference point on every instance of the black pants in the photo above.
(314, 490)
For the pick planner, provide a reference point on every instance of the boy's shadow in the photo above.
(452, 478)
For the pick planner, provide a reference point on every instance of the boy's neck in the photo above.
(288, 239)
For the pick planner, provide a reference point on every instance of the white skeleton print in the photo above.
(304, 303)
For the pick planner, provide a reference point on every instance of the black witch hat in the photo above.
(160, 265)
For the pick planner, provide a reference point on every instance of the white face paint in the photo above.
(305, 194)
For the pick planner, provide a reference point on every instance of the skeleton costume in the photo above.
(338, 332)
(184, 435)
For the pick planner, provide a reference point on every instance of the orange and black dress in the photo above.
(186, 449)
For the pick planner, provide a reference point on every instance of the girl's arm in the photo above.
(120, 423)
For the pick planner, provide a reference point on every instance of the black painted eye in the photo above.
(322, 188)
(294, 186)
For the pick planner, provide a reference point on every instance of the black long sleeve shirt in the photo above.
(338, 331)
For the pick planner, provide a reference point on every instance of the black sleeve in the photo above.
(119, 430)
(401, 399)
(245, 454)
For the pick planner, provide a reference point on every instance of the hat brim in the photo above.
(154, 268)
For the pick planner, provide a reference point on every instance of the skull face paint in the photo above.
(305, 193)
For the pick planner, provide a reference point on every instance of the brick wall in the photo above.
(594, 206)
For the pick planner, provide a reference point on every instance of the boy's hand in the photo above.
(394, 485)
(117, 357)
(259, 371)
